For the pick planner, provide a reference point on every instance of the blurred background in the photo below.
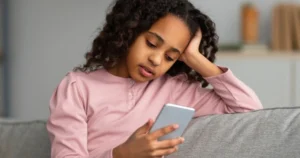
(42, 40)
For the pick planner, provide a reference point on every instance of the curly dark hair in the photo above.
(127, 19)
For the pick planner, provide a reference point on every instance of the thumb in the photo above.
(145, 128)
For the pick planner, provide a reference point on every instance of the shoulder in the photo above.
(84, 77)
(80, 81)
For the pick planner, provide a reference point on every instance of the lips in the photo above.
(146, 71)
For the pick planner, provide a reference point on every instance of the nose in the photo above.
(155, 58)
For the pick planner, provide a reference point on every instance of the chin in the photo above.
(140, 79)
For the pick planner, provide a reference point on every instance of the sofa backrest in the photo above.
(24, 139)
(268, 133)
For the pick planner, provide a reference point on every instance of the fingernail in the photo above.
(182, 139)
(176, 148)
(175, 126)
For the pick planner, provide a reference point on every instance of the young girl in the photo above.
(149, 52)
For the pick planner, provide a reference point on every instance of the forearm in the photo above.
(117, 152)
(236, 95)
(203, 66)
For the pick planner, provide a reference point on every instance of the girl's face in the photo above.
(154, 52)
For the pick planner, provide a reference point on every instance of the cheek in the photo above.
(138, 50)
(133, 53)
(164, 68)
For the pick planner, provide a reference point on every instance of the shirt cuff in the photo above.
(227, 74)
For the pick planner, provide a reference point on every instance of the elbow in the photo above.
(256, 104)
(242, 107)
(253, 105)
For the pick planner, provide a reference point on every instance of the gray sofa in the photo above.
(268, 133)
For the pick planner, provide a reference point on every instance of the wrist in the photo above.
(194, 60)
(117, 152)
(203, 66)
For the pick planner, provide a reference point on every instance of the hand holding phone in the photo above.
(143, 144)
(173, 114)
(160, 138)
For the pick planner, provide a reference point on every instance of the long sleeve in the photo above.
(229, 95)
(67, 124)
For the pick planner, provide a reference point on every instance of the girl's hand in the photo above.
(195, 60)
(192, 49)
(144, 145)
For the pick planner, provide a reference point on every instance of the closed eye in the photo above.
(169, 58)
(150, 44)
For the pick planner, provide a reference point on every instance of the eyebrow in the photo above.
(162, 41)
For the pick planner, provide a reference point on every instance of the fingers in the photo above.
(145, 128)
(198, 33)
(150, 124)
(163, 131)
(197, 38)
(164, 152)
(166, 147)
(168, 143)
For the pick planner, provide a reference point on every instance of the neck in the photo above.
(119, 70)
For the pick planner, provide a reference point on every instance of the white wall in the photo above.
(226, 14)
(49, 38)
(1, 93)
(1, 50)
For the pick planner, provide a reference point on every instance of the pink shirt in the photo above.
(95, 112)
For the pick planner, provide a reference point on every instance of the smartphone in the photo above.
(173, 114)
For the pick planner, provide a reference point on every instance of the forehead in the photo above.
(173, 30)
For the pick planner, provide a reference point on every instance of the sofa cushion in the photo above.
(268, 133)
(24, 139)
